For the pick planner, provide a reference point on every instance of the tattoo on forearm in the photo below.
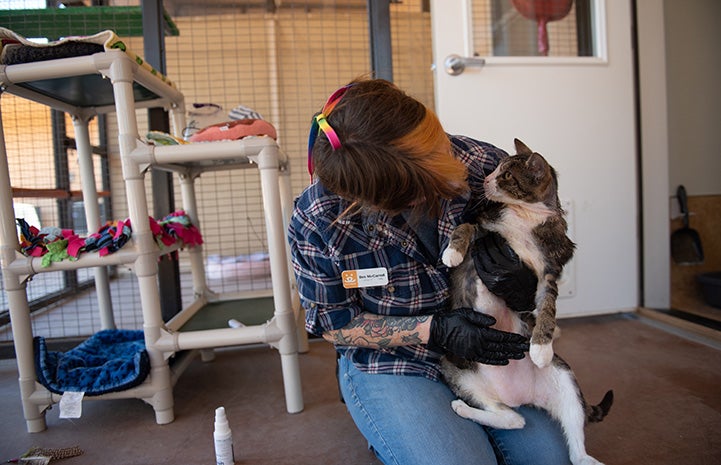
(380, 332)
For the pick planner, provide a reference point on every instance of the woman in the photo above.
(389, 186)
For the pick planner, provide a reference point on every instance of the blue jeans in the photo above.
(408, 420)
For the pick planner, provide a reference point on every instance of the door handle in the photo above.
(456, 64)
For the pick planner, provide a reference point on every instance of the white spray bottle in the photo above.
(223, 439)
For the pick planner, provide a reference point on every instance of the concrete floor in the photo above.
(667, 406)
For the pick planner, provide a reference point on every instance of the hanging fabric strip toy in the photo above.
(55, 244)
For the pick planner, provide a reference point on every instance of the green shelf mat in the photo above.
(215, 315)
(54, 23)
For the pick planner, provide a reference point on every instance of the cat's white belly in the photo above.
(518, 383)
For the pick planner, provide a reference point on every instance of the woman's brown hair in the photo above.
(394, 154)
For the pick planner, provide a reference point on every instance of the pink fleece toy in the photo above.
(178, 225)
(233, 130)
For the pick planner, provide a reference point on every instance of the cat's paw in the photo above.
(556, 332)
(462, 409)
(451, 257)
(586, 460)
(504, 418)
(541, 354)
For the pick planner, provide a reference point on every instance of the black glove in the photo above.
(467, 334)
(503, 273)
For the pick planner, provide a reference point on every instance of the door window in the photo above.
(527, 28)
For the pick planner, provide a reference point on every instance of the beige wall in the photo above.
(693, 64)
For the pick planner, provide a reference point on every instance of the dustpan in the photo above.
(686, 246)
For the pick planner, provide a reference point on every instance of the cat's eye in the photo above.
(507, 175)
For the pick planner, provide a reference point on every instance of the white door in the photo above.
(576, 111)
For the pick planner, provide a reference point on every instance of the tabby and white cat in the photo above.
(524, 208)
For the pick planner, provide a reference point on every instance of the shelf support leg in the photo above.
(286, 199)
(15, 290)
(146, 266)
(92, 215)
(285, 318)
(187, 190)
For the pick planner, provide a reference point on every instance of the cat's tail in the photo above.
(596, 413)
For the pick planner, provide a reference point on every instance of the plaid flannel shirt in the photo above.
(417, 284)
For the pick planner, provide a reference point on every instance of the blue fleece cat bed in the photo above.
(109, 361)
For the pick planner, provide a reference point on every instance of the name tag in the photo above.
(367, 277)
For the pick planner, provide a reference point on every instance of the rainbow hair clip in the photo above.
(321, 122)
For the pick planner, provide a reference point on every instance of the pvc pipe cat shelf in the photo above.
(125, 83)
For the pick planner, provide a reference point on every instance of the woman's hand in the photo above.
(503, 272)
(468, 335)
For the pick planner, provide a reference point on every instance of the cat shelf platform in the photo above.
(113, 79)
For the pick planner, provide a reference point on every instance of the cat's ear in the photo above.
(537, 165)
(521, 148)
